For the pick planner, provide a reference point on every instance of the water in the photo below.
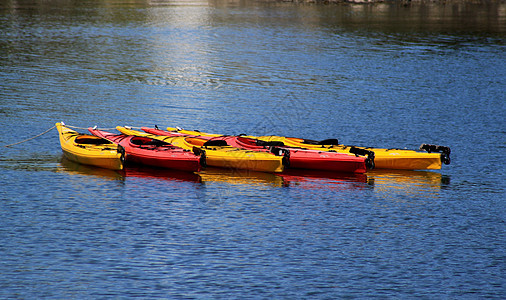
(380, 75)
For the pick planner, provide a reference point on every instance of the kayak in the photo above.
(400, 159)
(147, 151)
(295, 158)
(428, 157)
(219, 154)
(90, 150)
(177, 130)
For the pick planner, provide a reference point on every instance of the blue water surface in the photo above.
(382, 75)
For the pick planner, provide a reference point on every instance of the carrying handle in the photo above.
(445, 151)
(369, 161)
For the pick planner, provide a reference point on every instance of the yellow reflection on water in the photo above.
(74, 168)
(240, 177)
(405, 182)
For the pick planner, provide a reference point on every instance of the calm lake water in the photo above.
(378, 75)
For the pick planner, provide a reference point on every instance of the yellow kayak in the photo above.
(399, 159)
(219, 154)
(90, 150)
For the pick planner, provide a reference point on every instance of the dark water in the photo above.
(379, 75)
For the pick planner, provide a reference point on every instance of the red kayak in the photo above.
(298, 158)
(153, 152)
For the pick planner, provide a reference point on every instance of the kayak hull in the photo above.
(104, 160)
(89, 150)
(147, 152)
(400, 160)
(326, 161)
(231, 158)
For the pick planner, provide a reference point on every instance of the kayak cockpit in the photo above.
(91, 140)
(144, 141)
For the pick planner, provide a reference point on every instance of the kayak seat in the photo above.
(218, 143)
